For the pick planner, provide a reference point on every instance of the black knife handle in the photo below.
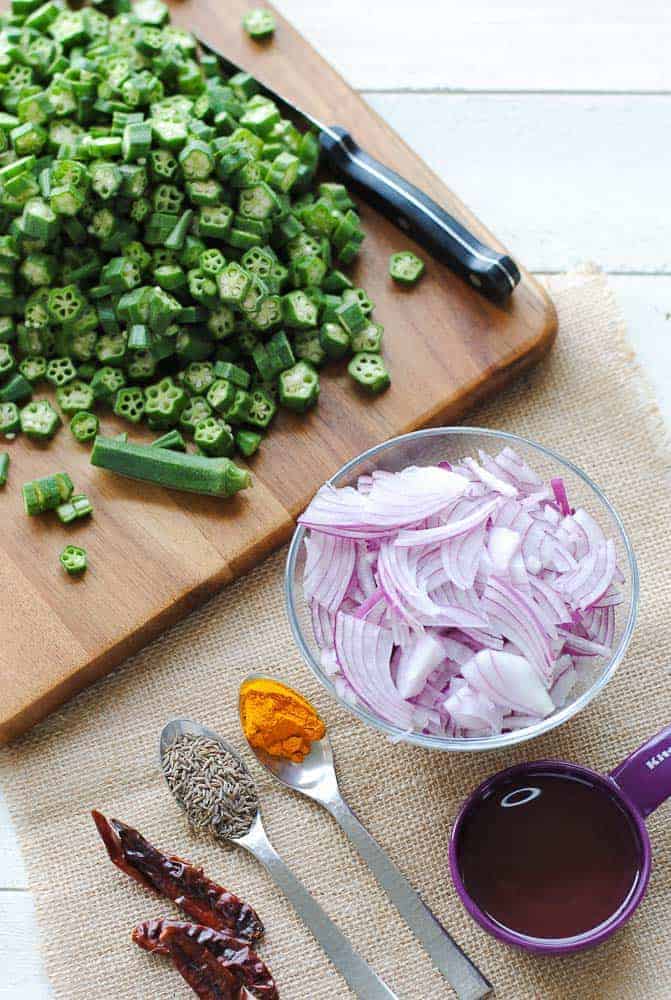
(494, 274)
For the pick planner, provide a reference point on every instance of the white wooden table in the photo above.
(552, 123)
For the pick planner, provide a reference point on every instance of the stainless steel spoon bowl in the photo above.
(354, 970)
(316, 778)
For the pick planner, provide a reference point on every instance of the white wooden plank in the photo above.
(22, 973)
(12, 871)
(646, 305)
(559, 179)
(604, 45)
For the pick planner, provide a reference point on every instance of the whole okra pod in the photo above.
(218, 477)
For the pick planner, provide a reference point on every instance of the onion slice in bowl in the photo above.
(462, 599)
(364, 653)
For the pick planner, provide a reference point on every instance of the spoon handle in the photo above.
(355, 971)
(462, 975)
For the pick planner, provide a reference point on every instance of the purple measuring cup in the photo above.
(554, 857)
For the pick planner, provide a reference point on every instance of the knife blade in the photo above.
(495, 275)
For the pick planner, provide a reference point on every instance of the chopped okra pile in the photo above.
(167, 250)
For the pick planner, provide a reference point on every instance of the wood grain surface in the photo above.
(155, 554)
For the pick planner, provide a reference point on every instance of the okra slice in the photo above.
(261, 408)
(299, 387)
(129, 403)
(172, 439)
(74, 397)
(198, 377)
(142, 366)
(16, 389)
(9, 418)
(308, 347)
(107, 381)
(74, 560)
(212, 261)
(335, 282)
(121, 274)
(221, 395)
(259, 24)
(280, 353)
(214, 221)
(406, 267)
(306, 272)
(263, 363)
(106, 179)
(64, 303)
(299, 311)
(369, 371)
(213, 436)
(369, 339)
(84, 426)
(351, 317)
(196, 409)
(335, 340)
(60, 371)
(164, 402)
(7, 360)
(111, 349)
(196, 160)
(247, 442)
(283, 171)
(202, 287)
(76, 507)
(40, 495)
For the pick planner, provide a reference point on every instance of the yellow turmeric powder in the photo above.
(275, 718)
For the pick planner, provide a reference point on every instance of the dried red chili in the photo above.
(237, 955)
(207, 977)
(179, 880)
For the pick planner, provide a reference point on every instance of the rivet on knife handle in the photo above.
(494, 274)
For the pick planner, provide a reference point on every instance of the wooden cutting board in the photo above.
(154, 554)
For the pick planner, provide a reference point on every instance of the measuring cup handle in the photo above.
(645, 776)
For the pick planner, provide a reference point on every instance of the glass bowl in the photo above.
(428, 447)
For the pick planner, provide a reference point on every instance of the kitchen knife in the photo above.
(495, 275)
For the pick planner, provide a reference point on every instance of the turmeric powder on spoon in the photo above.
(275, 718)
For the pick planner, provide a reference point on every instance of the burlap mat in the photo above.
(588, 401)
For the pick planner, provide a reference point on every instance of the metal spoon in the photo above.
(316, 778)
(354, 970)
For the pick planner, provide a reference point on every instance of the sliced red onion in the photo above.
(597, 586)
(417, 662)
(372, 601)
(393, 502)
(492, 482)
(517, 620)
(461, 556)
(509, 681)
(574, 643)
(364, 654)
(323, 626)
(517, 469)
(329, 564)
(479, 512)
(562, 687)
(503, 545)
(515, 721)
(470, 709)
(460, 599)
(364, 569)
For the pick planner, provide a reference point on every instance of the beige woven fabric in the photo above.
(588, 401)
